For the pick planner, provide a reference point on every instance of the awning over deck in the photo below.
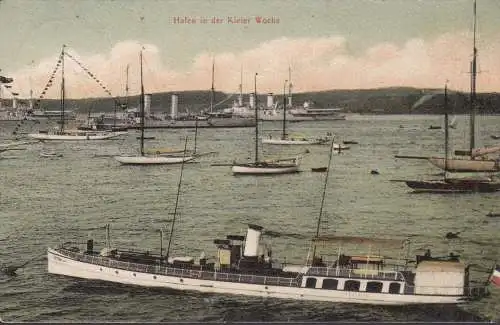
(340, 240)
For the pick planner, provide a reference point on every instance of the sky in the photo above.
(335, 44)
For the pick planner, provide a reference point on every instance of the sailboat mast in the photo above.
(323, 196)
(212, 89)
(283, 136)
(62, 89)
(473, 89)
(290, 86)
(31, 95)
(141, 103)
(195, 135)
(446, 127)
(126, 88)
(256, 120)
(240, 99)
(176, 202)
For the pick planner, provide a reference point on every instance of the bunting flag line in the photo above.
(93, 76)
(50, 82)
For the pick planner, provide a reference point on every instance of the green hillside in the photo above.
(370, 101)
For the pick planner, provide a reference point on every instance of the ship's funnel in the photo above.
(240, 100)
(14, 103)
(173, 109)
(147, 104)
(252, 100)
(270, 100)
(252, 240)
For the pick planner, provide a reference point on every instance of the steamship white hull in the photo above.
(61, 264)
(466, 165)
(155, 160)
(76, 137)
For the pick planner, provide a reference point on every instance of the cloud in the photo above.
(316, 63)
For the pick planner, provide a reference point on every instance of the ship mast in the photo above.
(473, 88)
(126, 88)
(240, 99)
(256, 120)
(283, 135)
(62, 89)
(212, 88)
(446, 132)
(141, 103)
(289, 87)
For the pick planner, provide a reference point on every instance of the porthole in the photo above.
(266, 287)
(394, 287)
(134, 274)
(331, 284)
(116, 272)
(374, 286)
(154, 276)
(311, 283)
(351, 285)
(182, 280)
(100, 269)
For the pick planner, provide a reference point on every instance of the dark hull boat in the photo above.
(455, 185)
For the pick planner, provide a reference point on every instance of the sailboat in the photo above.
(285, 139)
(147, 159)
(476, 162)
(279, 166)
(452, 185)
(65, 134)
(452, 125)
(245, 266)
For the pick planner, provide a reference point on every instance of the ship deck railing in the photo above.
(344, 272)
(471, 291)
(184, 272)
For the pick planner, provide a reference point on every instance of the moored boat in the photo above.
(240, 270)
(61, 133)
(245, 266)
(147, 159)
(75, 135)
(50, 154)
(152, 160)
(475, 184)
(283, 166)
(454, 185)
(259, 167)
(476, 158)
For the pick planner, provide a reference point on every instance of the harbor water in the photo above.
(47, 201)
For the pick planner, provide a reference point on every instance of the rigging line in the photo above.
(176, 200)
(94, 77)
(324, 193)
(325, 185)
(49, 83)
(224, 100)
